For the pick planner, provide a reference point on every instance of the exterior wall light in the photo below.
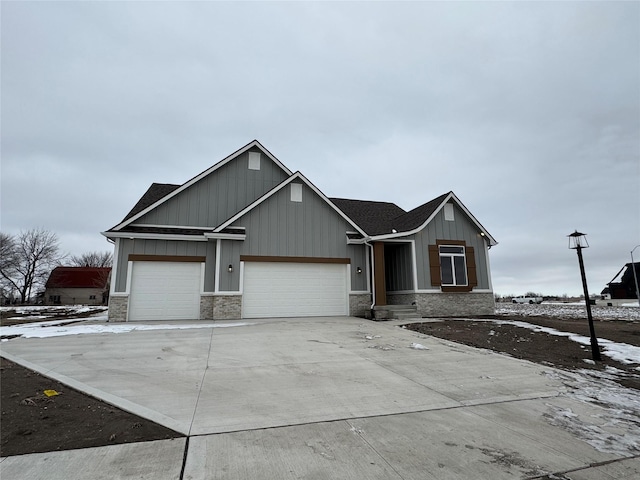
(230, 268)
(578, 241)
(358, 270)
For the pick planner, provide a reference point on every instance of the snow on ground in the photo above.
(616, 429)
(72, 327)
(569, 310)
(82, 325)
(38, 312)
(620, 352)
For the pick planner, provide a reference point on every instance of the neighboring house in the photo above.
(248, 238)
(78, 286)
(626, 286)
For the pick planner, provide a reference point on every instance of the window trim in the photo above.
(452, 256)
(470, 266)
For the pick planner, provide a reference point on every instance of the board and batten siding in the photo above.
(220, 195)
(165, 248)
(462, 228)
(398, 261)
(281, 227)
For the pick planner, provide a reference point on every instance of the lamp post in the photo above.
(635, 275)
(578, 241)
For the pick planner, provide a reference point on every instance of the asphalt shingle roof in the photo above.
(379, 218)
(154, 193)
(416, 217)
(373, 217)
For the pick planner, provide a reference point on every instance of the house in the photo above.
(625, 288)
(78, 286)
(249, 238)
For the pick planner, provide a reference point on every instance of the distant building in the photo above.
(78, 286)
(625, 287)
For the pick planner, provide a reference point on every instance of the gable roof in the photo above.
(372, 219)
(277, 188)
(78, 277)
(170, 193)
(382, 220)
(375, 218)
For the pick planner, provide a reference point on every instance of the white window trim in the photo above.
(453, 270)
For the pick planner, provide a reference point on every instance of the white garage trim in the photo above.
(165, 290)
(289, 289)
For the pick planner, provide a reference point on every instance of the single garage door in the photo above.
(165, 291)
(282, 289)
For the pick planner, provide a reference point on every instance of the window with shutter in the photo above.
(452, 266)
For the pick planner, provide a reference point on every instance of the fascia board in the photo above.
(154, 236)
(202, 175)
(150, 225)
(225, 236)
(277, 188)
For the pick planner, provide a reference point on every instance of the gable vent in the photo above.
(254, 160)
(296, 192)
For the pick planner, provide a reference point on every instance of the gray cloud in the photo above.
(530, 112)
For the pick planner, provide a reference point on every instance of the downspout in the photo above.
(373, 275)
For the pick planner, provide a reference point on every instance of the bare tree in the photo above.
(92, 259)
(35, 252)
(7, 264)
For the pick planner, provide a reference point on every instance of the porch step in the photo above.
(388, 312)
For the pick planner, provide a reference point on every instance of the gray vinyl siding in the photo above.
(398, 267)
(358, 255)
(280, 227)
(230, 255)
(220, 195)
(165, 247)
(462, 228)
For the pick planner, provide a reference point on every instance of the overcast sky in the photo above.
(529, 112)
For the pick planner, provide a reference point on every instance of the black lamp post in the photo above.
(578, 241)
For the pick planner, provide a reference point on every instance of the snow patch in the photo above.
(620, 352)
(571, 310)
(62, 328)
(418, 346)
(618, 429)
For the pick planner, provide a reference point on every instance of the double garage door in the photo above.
(171, 290)
(282, 289)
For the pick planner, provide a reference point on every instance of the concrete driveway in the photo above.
(320, 398)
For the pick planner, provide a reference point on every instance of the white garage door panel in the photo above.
(274, 289)
(165, 291)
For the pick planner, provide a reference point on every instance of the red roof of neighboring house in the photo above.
(78, 277)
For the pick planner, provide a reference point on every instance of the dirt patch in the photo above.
(539, 347)
(34, 422)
